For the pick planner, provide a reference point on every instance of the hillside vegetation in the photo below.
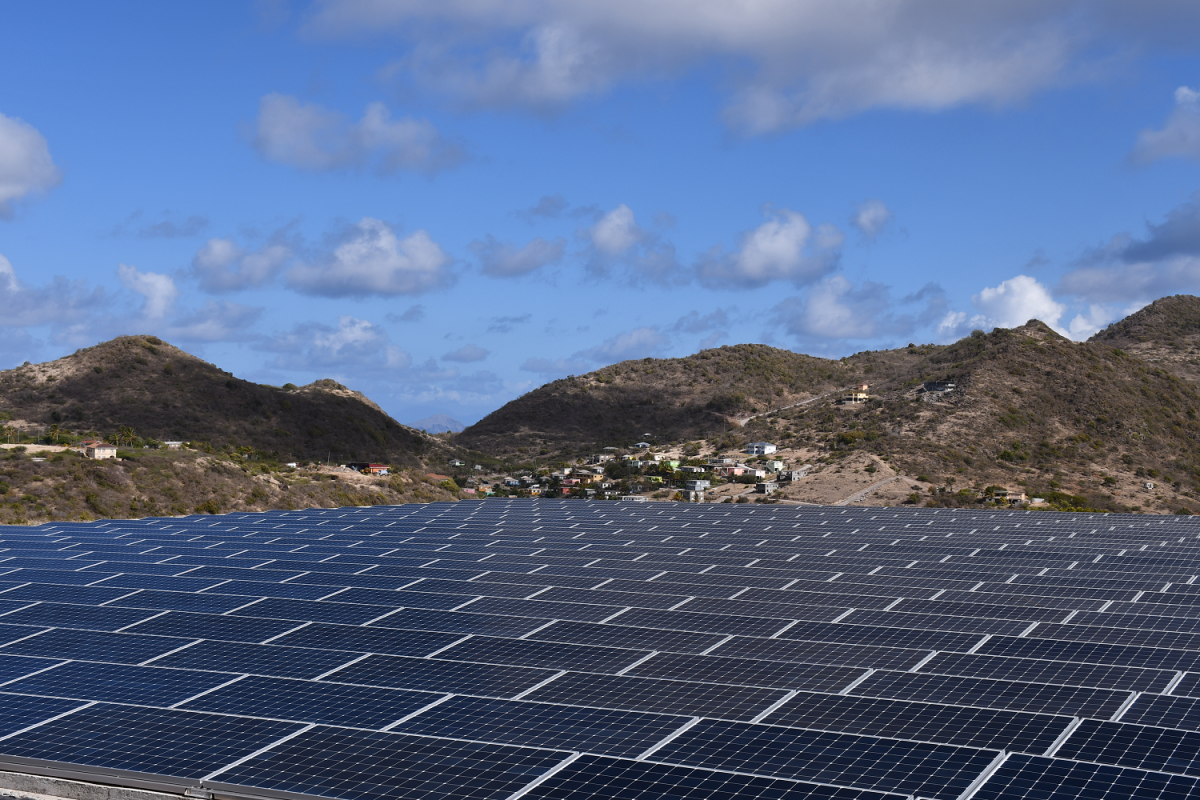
(67, 486)
(164, 393)
(673, 398)
(1086, 425)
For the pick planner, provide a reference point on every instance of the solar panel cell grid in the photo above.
(740, 651)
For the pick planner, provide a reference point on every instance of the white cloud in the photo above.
(215, 322)
(784, 248)
(616, 241)
(354, 345)
(616, 232)
(871, 218)
(504, 260)
(1009, 305)
(159, 291)
(835, 308)
(60, 303)
(1180, 136)
(373, 260)
(467, 354)
(314, 138)
(789, 62)
(1085, 324)
(26, 167)
(1127, 269)
(637, 343)
(223, 266)
(692, 322)
(557, 366)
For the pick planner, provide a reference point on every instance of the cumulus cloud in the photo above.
(835, 308)
(314, 138)
(616, 232)
(693, 322)
(60, 303)
(789, 62)
(372, 260)
(169, 229)
(637, 343)
(1009, 305)
(871, 218)
(784, 248)
(157, 290)
(26, 167)
(414, 313)
(617, 241)
(215, 322)
(551, 206)
(506, 324)
(467, 354)
(1164, 261)
(355, 344)
(556, 366)
(222, 265)
(504, 260)
(1179, 137)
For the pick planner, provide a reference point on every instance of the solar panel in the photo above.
(578, 651)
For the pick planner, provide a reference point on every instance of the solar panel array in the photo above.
(568, 650)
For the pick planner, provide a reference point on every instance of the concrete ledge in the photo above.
(36, 787)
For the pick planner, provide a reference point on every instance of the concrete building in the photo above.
(99, 450)
(760, 448)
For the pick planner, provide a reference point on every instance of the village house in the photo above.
(856, 395)
(368, 468)
(730, 471)
(767, 487)
(760, 448)
(99, 450)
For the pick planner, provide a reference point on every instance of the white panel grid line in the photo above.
(771, 709)
(680, 731)
(258, 752)
(152, 659)
(40, 723)
(270, 639)
(522, 695)
(987, 773)
(640, 661)
(198, 695)
(421, 710)
(545, 776)
(340, 667)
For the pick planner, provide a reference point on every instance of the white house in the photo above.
(100, 450)
(760, 448)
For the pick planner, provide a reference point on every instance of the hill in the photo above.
(664, 399)
(1165, 333)
(164, 393)
(439, 423)
(66, 486)
(1086, 425)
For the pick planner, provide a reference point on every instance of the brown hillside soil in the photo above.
(164, 393)
(671, 399)
(172, 483)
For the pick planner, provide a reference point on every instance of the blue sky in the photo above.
(446, 204)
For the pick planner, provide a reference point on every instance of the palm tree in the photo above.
(54, 431)
(126, 434)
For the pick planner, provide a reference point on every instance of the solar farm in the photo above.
(579, 651)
